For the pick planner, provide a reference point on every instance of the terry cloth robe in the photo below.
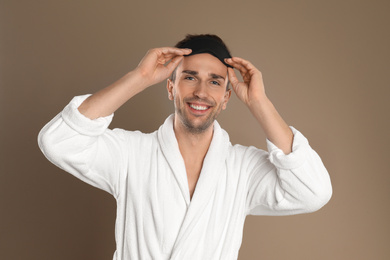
(156, 219)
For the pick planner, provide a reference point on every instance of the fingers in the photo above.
(172, 51)
(167, 54)
(174, 63)
(235, 63)
(240, 64)
(232, 77)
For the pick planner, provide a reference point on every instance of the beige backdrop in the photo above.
(325, 66)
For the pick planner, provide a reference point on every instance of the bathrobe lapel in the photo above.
(170, 149)
(213, 168)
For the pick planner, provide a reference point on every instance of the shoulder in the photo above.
(247, 155)
(238, 152)
(246, 151)
(136, 138)
(134, 134)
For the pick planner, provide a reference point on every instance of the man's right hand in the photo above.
(153, 68)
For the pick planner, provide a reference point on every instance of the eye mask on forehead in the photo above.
(208, 45)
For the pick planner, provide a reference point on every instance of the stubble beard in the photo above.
(180, 108)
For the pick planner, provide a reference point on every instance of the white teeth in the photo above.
(198, 107)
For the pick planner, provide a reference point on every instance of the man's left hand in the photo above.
(251, 89)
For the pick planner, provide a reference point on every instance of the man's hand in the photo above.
(251, 90)
(153, 68)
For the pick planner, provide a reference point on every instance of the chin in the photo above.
(196, 124)
(199, 125)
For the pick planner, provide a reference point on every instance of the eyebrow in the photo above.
(195, 73)
(216, 76)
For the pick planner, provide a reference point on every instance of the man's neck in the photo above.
(192, 146)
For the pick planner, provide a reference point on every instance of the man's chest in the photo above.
(193, 171)
(157, 199)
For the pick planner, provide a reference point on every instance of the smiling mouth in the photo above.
(198, 107)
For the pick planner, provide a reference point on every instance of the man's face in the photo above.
(199, 91)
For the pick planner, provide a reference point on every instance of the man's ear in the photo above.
(170, 89)
(226, 98)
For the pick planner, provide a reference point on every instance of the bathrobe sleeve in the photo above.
(85, 148)
(281, 184)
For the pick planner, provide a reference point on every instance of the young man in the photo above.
(183, 192)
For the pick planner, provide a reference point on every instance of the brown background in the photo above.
(326, 69)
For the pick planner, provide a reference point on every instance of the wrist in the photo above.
(257, 103)
(137, 79)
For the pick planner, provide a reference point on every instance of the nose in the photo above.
(200, 90)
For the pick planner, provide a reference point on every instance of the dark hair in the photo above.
(190, 37)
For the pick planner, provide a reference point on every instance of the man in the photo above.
(183, 192)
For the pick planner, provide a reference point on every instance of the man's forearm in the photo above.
(275, 128)
(156, 66)
(108, 100)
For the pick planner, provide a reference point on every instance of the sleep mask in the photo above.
(208, 45)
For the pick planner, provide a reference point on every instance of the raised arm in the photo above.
(251, 92)
(152, 69)
(78, 139)
(291, 177)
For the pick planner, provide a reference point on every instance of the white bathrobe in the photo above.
(156, 219)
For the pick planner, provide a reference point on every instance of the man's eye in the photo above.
(215, 82)
(188, 77)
